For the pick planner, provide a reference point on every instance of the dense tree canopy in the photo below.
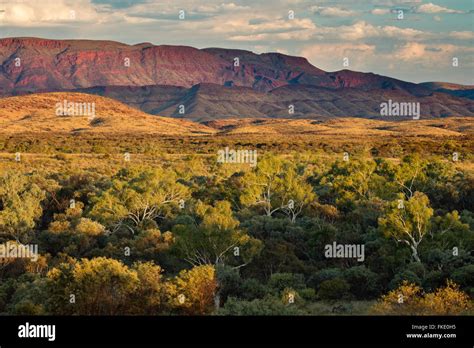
(189, 236)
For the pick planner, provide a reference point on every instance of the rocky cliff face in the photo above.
(30, 64)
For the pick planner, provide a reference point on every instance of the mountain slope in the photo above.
(48, 65)
(68, 64)
(450, 88)
(205, 102)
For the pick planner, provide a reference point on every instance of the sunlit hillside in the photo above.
(37, 113)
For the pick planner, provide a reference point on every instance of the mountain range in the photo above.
(213, 83)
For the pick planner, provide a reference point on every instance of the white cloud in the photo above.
(137, 20)
(48, 13)
(380, 11)
(305, 30)
(462, 35)
(333, 11)
(242, 28)
(432, 8)
(216, 8)
(431, 56)
(330, 57)
(362, 29)
(411, 51)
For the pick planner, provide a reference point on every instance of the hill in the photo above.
(39, 113)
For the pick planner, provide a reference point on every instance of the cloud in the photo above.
(330, 57)
(428, 8)
(411, 51)
(268, 27)
(462, 35)
(333, 11)
(48, 13)
(306, 30)
(380, 11)
(216, 8)
(362, 29)
(431, 56)
(432, 8)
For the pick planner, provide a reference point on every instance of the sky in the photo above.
(414, 40)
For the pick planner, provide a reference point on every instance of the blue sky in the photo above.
(419, 47)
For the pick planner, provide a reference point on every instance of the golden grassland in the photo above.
(36, 113)
(29, 125)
